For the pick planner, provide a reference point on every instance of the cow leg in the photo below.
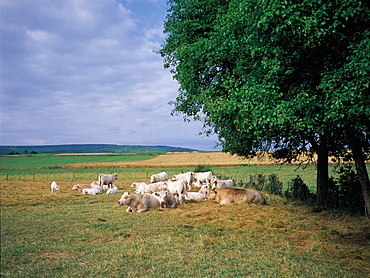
(144, 206)
(181, 199)
(129, 209)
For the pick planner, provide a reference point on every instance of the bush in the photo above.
(257, 182)
(297, 189)
(345, 192)
(273, 185)
(202, 168)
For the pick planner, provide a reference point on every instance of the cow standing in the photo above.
(108, 180)
(189, 177)
(203, 177)
(177, 188)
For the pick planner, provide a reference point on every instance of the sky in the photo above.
(86, 72)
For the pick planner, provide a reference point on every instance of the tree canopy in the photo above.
(292, 76)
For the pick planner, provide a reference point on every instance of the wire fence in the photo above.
(69, 176)
(139, 176)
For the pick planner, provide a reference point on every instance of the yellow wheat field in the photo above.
(197, 158)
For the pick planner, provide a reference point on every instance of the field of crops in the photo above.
(72, 235)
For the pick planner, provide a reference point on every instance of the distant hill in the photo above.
(89, 148)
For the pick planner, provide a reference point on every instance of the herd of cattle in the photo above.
(166, 193)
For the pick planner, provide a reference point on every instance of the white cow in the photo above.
(196, 196)
(107, 179)
(151, 188)
(54, 186)
(203, 177)
(205, 190)
(226, 195)
(177, 188)
(138, 202)
(137, 184)
(222, 183)
(189, 177)
(92, 191)
(163, 176)
(166, 199)
(81, 187)
(96, 185)
(112, 190)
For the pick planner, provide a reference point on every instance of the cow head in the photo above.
(212, 194)
(76, 187)
(162, 198)
(125, 199)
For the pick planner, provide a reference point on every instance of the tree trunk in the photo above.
(322, 176)
(362, 174)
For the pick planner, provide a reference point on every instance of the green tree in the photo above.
(292, 76)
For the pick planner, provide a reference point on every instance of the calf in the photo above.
(138, 202)
(113, 190)
(54, 186)
(227, 195)
(81, 187)
(196, 196)
(92, 191)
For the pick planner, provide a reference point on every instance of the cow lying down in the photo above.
(166, 199)
(227, 195)
(138, 202)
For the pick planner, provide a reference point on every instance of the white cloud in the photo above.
(85, 72)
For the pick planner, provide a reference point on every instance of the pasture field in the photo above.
(72, 235)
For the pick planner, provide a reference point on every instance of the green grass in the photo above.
(22, 162)
(73, 235)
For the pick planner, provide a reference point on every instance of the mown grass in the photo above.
(74, 235)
